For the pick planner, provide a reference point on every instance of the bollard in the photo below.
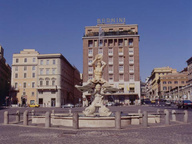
(47, 119)
(25, 118)
(118, 120)
(173, 115)
(18, 116)
(185, 119)
(75, 120)
(139, 111)
(53, 112)
(32, 113)
(6, 117)
(145, 119)
(167, 120)
(158, 111)
(140, 116)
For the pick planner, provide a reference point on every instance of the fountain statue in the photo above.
(97, 87)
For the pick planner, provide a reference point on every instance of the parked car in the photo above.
(34, 105)
(78, 105)
(153, 102)
(68, 106)
(168, 103)
(184, 104)
(110, 104)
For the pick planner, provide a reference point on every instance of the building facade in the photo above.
(119, 45)
(170, 85)
(152, 90)
(45, 79)
(5, 79)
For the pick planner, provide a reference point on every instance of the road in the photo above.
(176, 133)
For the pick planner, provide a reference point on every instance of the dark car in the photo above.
(184, 104)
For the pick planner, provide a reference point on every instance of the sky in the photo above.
(57, 26)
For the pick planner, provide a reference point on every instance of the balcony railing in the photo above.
(125, 32)
(47, 87)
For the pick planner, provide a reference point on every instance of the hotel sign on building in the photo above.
(110, 20)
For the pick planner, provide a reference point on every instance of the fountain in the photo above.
(98, 86)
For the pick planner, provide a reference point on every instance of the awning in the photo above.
(132, 85)
(121, 85)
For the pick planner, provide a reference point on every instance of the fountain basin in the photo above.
(91, 122)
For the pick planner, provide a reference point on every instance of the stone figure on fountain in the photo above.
(98, 87)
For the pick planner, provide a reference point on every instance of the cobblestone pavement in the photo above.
(176, 133)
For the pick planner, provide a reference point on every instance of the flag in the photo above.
(101, 34)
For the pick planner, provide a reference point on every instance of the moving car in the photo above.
(68, 106)
(167, 103)
(34, 105)
(184, 104)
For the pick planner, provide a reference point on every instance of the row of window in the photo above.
(25, 60)
(47, 62)
(47, 82)
(47, 71)
(111, 77)
(25, 85)
(110, 42)
(110, 60)
(25, 68)
(175, 82)
(24, 75)
(110, 69)
(110, 51)
(42, 62)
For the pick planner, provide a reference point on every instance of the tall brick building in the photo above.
(5, 79)
(119, 44)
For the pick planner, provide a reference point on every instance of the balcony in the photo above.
(110, 54)
(121, 71)
(110, 62)
(121, 53)
(131, 53)
(121, 62)
(90, 54)
(111, 33)
(131, 71)
(47, 87)
(110, 72)
(131, 62)
(90, 72)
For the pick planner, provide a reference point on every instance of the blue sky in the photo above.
(57, 26)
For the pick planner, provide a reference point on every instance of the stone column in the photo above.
(47, 119)
(75, 120)
(185, 119)
(173, 115)
(118, 120)
(6, 117)
(25, 118)
(167, 120)
(145, 119)
(18, 116)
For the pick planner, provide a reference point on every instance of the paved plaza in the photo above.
(176, 133)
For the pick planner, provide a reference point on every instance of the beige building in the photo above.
(46, 79)
(152, 90)
(5, 79)
(24, 77)
(170, 85)
(119, 44)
